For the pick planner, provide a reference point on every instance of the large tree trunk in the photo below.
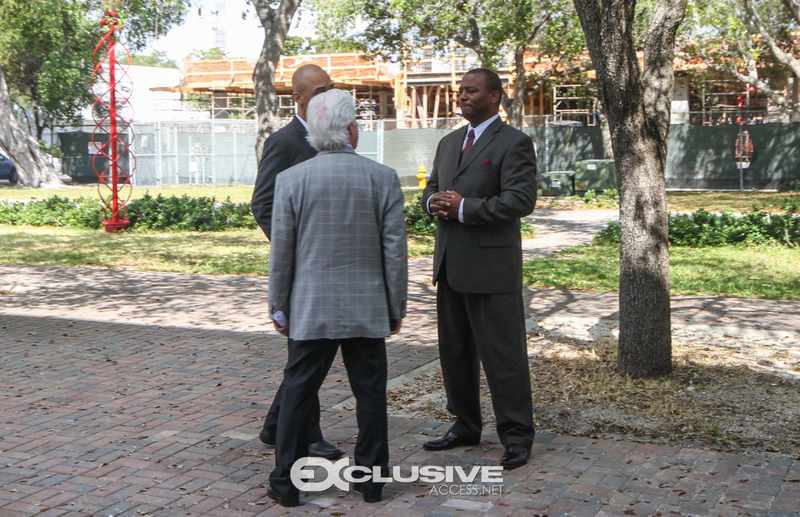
(33, 167)
(276, 23)
(638, 108)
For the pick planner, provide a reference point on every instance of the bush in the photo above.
(608, 199)
(147, 213)
(791, 204)
(608, 236)
(174, 213)
(704, 229)
(789, 186)
(54, 211)
(188, 213)
(418, 222)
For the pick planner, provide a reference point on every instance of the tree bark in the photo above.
(516, 107)
(605, 131)
(33, 167)
(638, 104)
(276, 22)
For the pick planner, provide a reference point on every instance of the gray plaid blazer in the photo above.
(338, 262)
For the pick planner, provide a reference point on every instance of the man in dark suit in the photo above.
(483, 181)
(283, 149)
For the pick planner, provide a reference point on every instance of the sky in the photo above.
(201, 31)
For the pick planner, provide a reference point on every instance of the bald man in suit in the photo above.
(482, 182)
(283, 149)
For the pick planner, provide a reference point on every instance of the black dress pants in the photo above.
(271, 420)
(477, 328)
(306, 369)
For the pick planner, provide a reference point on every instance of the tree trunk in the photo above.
(605, 131)
(276, 23)
(33, 167)
(638, 108)
(516, 108)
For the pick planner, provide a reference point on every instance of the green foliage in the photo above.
(791, 204)
(526, 230)
(54, 211)
(608, 199)
(789, 186)
(188, 213)
(212, 53)
(490, 28)
(146, 213)
(608, 236)
(46, 51)
(752, 42)
(298, 45)
(702, 228)
(705, 229)
(173, 213)
(418, 222)
(145, 20)
(157, 59)
(52, 150)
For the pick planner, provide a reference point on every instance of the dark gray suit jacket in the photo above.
(283, 149)
(498, 182)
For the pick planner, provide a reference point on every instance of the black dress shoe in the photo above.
(449, 441)
(370, 496)
(266, 438)
(286, 502)
(323, 449)
(516, 456)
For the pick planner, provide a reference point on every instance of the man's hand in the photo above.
(394, 326)
(283, 330)
(446, 204)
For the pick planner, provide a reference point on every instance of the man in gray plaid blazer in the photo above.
(338, 278)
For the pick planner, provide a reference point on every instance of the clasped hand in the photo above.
(445, 204)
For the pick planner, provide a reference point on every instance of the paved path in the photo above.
(131, 394)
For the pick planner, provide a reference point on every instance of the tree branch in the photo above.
(658, 76)
(784, 58)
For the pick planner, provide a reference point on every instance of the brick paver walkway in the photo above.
(134, 394)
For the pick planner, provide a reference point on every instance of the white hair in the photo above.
(329, 115)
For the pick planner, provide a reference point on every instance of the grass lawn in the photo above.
(237, 252)
(745, 272)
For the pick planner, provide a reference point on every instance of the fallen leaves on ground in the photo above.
(727, 393)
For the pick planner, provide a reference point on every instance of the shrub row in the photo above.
(172, 213)
(704, 229)
(147, 213)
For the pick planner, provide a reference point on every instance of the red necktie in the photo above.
(470, 139)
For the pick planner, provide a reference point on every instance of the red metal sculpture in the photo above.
(111, 111)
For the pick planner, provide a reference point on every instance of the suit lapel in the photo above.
(301, 130)
(486, 138)
(455, 150)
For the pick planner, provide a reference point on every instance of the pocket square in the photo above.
(487, 161)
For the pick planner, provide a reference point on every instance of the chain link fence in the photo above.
(725, 153)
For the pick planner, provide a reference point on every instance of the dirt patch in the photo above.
(726, 393)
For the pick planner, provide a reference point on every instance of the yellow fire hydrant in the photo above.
(422, 176)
